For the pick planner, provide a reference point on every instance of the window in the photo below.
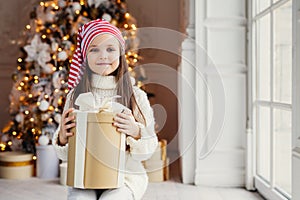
(271, 26)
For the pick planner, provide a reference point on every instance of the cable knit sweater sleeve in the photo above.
(143, 148)
(61, 151)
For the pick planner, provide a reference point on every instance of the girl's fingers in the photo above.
(122, 115)
(122, 130)
(69, 134)
(121, 120)
(68, 119)
(121, 125)
(70, 126)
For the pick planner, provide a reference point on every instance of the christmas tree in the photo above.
(40, 81)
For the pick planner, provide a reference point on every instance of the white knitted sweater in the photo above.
(142, 149)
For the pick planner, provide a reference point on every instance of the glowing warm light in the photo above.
(59, 49)
(20, 60)
(56, 90)
(66, 90)
(46, 96)
(33, 157)
(36, 81)
(14, 133)
(135, 60)
(133, 26)
(127, 15)
(130, 69)
(33, 130)
(9, 143)
(56, 7)
(42, 3)
(28, 26)
(125, 25)
(44, 36)
(54, 57)
(62, 81)
(22, 84)
(31, 119)
(60, 68)
(19, 67)
(51, 108)
(26, 112)
(19, 88)
(50, 120)
(36, 77)
(66, 37)
(38, 103)
(26, 78)
(77, 12)
(54, 68)
(30, 95)
(2, 146)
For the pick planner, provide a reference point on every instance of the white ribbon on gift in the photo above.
(87, 104)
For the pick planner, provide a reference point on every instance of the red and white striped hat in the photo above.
(85, 36)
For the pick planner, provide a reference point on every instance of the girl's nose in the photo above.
(103, 55)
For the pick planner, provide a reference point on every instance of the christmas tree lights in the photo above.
(40, 80)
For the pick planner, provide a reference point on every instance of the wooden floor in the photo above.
(39, 189)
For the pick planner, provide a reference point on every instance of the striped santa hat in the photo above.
(85, 36)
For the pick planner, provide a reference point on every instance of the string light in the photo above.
(20, 60)
(42, 3)
(31, 119)
(133, 27)
(2, 146)
(14, 133)
(9, 143)
(27, 27)
(125, 25)
(44, 36)
(33, 157)
(26, 112)
(127, 15)
(30, 95)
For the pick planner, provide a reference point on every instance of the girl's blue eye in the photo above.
(94, 50)
(110, 49)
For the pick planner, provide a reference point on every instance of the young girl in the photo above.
(99, 66)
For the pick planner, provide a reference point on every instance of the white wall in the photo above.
(220, 94)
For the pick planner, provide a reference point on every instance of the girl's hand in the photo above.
(126, 123)
(67, 123)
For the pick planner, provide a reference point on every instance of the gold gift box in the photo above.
(157, 166)
(96, 155)
(16, 165)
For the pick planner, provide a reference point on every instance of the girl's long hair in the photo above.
(124, 87)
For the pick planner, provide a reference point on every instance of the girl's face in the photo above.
(103, 54)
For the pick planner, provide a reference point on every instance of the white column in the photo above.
(221, 85)
(296, 102)
(186, 105)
